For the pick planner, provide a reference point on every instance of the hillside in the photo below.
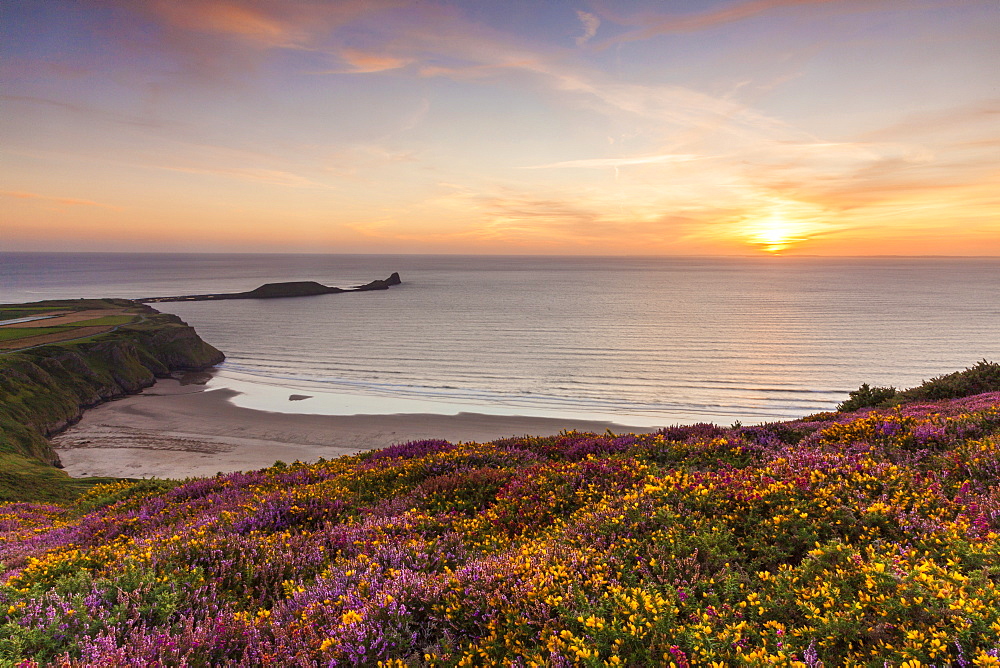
(856, 538)
(70, 355)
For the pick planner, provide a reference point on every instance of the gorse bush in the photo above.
(978, 379)
(983, 377)
(866, 397)
(863, 540)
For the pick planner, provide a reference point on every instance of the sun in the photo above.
(783, 225)
(775, 235)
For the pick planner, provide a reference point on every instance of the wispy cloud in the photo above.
(600, 163)
(268, 176)
(91, 112)
(651, 24)
(261, 23)
(255, 23)
(220, 41)
(362, 62)
(64, 201)
(982, 113)
(590, 25)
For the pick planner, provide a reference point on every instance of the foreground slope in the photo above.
(848, 538)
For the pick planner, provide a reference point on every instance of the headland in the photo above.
(281, 291)
(61, 357)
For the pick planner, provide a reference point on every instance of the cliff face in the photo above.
(42, 390)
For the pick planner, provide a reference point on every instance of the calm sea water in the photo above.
(642, 341)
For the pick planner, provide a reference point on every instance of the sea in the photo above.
(639, 341)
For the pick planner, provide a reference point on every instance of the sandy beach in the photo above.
(178, 428)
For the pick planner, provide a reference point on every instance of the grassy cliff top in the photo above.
(28, 325)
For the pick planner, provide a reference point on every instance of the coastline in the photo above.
(179, 428)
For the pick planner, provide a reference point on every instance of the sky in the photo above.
(594, 127)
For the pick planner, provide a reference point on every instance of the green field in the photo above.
(27, 312)
(14, 333)
(106, 321)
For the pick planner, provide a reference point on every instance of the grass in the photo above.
(107, 320)
(27, 478)
(22, 312)
(15, 333)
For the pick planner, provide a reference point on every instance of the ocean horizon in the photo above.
(641, 341)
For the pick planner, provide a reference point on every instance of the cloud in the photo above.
(452, 48)
(220, 40)
(981, 113)
(652, 24)
(66, 201)
(261, 23)
(590, 25)
(269, 176)
(600, 163)
(366, 162)
(372, 36)
(366, 62)
(643, 220)
(93, 113)
(242, 20)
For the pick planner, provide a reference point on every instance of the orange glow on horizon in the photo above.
(782, 225)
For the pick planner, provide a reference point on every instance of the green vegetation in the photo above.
(26, 478)
(15, 333)
(111, 320)
(983, 377)
(865, 397)
(10, 313)
(44, 389)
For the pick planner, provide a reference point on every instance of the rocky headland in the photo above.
(281, 290)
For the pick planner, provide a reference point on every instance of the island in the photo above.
(281, 290)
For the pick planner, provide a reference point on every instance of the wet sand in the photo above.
(178, 430)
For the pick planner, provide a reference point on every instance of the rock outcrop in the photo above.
(380, 284)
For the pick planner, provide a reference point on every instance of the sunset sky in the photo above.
(829, 127)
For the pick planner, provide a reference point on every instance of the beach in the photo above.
(181, 428)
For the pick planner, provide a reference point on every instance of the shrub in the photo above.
(983, 377)
(866, 397)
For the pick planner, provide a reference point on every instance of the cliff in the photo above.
(45, 389)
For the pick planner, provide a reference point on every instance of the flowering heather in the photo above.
(868, 538)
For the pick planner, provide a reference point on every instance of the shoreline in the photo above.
(302, 396)
(179, 428)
